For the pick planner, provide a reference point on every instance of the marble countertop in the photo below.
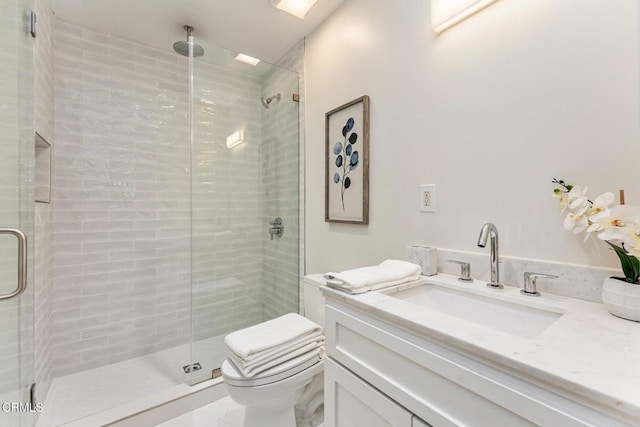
(587, 352)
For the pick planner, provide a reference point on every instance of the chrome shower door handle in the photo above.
(22, 262)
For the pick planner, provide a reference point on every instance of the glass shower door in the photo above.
(16, 213)
(245, 175)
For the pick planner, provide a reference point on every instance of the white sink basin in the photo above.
(514, 319)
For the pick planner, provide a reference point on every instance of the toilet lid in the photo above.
(232, 375)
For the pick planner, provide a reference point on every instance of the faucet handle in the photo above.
(465, 270)
(276, 222)
(530, 283)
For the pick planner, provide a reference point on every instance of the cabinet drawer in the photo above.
(441, 386)
(350, 402)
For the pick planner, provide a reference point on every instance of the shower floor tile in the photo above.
(86, 393)
(221, 413)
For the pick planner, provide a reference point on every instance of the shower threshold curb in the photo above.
(157, 409)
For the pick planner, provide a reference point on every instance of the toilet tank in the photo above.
(313, 298)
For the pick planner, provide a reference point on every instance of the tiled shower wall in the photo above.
(43, 242)
(281, 149)
(121, 284)
(227, 261)
(121, 189)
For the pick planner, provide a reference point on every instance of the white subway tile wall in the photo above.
(43, 241)
(280, 191)
(121, 221)
(294, 60)
(227, 259)
(124, 210)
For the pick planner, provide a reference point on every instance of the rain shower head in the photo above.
(183, 47)
(267, 101)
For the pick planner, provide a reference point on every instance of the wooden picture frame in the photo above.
(347, 163)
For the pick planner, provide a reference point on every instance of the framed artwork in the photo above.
(347, 163)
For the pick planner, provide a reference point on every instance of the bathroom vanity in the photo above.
(443, 353)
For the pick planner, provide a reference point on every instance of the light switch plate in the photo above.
(428, 198)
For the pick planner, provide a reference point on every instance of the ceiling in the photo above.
(252, 27)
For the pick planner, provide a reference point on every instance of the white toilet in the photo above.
(293, 398)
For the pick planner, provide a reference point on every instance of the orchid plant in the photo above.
(618, 225)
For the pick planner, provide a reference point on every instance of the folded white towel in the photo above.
(267, 355)
(308, 351)
(258, 340)
(265, 370)
(389, 272)
(363, 289)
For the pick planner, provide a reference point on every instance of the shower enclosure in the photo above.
(245, 174)
(16, 211)
(168, 172)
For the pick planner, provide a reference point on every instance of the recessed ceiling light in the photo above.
(247, 59)
(297, 8)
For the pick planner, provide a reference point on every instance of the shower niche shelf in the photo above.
(42, 190)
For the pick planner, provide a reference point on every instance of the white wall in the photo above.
(490, 111)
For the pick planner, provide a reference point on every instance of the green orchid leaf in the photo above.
(630, 270)
(635, 263)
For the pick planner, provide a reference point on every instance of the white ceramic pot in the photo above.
(621, 298)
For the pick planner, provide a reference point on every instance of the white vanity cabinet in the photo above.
(378, 374)
(349, 401)
(417, 422)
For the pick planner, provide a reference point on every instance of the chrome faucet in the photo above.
(491, 230)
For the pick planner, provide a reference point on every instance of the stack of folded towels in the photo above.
(276, 345)
(388, 273)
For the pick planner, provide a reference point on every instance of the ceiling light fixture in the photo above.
(247, 59)
(298, 8)
(447, 13)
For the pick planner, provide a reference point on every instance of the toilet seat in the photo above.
(233, 377)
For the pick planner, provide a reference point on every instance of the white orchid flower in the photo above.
(594, 221)
(578, 201)
(632, 241)
(617, 222)
(562, 198)
(577, 223)
(600, 205)
(598, 211)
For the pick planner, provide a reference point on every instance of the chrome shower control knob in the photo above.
(277, 228)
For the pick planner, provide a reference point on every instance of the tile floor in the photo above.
(221, 413)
